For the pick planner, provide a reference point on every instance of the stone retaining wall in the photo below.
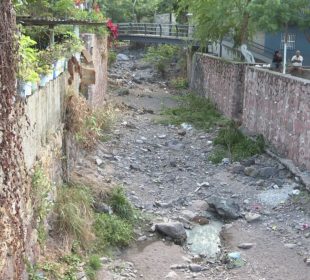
(266, 102)
(278, 107)
(221, 81)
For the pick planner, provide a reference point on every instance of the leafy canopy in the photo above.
(215, 19)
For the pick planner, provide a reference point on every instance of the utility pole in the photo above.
(285, 48)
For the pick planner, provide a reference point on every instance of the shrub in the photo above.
(161, 56)
(73, 209)
(112, 231)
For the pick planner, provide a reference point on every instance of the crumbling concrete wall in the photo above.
(221, 81)
(97, 46)
(31, 130)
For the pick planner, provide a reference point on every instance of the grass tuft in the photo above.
(92, 266)
(111, 230)
(86, 124)
(73, 209)
(233, 144)
(120, 204)
(179, 83)
(196, 110)
(42, 204)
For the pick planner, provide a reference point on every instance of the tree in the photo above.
(215, 19)
(276, 15)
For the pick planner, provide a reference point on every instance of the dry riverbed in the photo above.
(245, 220)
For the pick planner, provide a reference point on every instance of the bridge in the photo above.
(181, 34)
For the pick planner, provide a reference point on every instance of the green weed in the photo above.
(41, 188)
(111, 57)
(232, 143)
(92, 266)
(179, 83)
(112, 231)
(121, 205)
(196, 110)
(73, 208)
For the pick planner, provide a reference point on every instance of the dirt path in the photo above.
(161, 168)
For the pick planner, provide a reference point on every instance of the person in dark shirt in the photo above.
(277, 60)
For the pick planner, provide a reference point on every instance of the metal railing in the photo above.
(156, 29)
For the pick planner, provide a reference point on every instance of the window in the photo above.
(291, 38)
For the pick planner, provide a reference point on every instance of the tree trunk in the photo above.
(14, 187)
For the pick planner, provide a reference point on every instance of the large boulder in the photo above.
(174, 230)
(226, 208)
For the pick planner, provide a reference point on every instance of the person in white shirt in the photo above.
(297, 60)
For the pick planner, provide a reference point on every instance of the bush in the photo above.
(112, 231)
(120, 204)
(234, 144)
(73, 209)
(161, 56)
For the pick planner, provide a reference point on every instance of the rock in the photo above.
(199, 205)
(173, 163)
(188, 214)
(162, 136)
(163, 204)
(252, 217)
(245, 246)
(99, 161)
(237, 168)
(200, 220)
(122, 57)
(226, 208)
(195, 267)
(141, 65)
(142, 238)
(248, 162)
(137, 81)
(186, 126)
(290, 245)
(250, 171)
(268, 172)
(123, 92)
(80, 275)
(182, 132)
(101, 207)
(174, 230)
(178, 266)
(234, 259)
(172, 275)
(307, 261)
(295, 192)
(226, 161)
(203, 184)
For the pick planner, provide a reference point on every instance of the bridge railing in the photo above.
(157, 29)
